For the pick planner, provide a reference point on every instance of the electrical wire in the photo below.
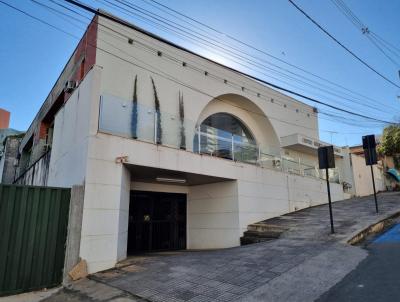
(112, 54)
(224, 34)
(363, 102)
(342, 45)
(346, 11)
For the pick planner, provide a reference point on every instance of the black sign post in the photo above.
(369, 146)
(326, 160)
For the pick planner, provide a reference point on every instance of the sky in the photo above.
(32, 55)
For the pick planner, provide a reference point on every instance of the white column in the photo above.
(105, 214)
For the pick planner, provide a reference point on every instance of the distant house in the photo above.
(9, 143)
(175, 151)
(362, 173)
(9, 159)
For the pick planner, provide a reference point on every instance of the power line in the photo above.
(245, 74)
(341, 44)
(152, 71)
(363, 102)
(259, 50)
(346, 11)
(261, 66)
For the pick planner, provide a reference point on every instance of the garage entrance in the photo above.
(157, 222)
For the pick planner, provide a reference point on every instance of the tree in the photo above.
(390, 143)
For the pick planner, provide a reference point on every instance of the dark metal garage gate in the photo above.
(157, 222)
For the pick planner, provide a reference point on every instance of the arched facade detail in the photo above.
(248, 115)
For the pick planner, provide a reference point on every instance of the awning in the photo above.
(394, 173)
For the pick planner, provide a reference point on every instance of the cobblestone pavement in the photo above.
(300, 266)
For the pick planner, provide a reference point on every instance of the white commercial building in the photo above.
(175, 151)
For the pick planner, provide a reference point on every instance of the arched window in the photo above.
(224, 135)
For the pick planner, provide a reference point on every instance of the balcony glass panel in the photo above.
(137, 121)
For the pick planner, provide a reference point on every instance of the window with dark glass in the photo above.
(224, 135)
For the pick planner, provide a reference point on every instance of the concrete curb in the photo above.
(369, 228)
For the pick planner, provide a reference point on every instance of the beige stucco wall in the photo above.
(72, 126)
(213, 216)
(216, 219)
(363, 178)
(220, 211)
(217, 213)
(197, 88)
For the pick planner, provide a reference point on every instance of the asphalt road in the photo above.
(377, 277)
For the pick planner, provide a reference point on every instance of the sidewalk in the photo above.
(300, 266)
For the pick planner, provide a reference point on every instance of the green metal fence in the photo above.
(33, 232)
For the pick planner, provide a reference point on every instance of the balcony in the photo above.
(305, 144)
(137, 121)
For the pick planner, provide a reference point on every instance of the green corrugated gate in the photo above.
(33, 232)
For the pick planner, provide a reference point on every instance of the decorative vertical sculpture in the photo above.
(182, 122)
(158, 137)
(134, 118)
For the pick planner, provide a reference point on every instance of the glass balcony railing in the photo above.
(137, 121)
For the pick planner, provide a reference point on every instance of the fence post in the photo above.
(74, 231)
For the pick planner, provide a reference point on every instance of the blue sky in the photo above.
(32, 55)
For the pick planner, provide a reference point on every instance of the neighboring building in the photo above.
(6, 162)
(9, 159)
(362, 173)
(4, 119)
(174, 150)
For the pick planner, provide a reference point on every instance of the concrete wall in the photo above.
(219, 212)
(158, 187)
(274, 193)
(37, 174)
(8, 160)
(71, 132)
(213, 216)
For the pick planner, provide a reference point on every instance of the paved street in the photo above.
(377, 277)
(300, 266)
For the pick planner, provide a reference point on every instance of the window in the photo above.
(224, 135)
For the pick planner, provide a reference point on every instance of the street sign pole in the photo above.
(369, 146)
(329, 199)
(326, 160)
(373, 184)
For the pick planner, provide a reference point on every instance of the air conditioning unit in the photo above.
(276, 163)
(70, 86)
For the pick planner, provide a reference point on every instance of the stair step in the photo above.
(263, 227)
(250, 240)
(267, 234)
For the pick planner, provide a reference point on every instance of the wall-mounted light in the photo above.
(121, 159)
(172, 180)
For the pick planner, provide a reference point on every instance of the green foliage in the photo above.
(390, 143)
